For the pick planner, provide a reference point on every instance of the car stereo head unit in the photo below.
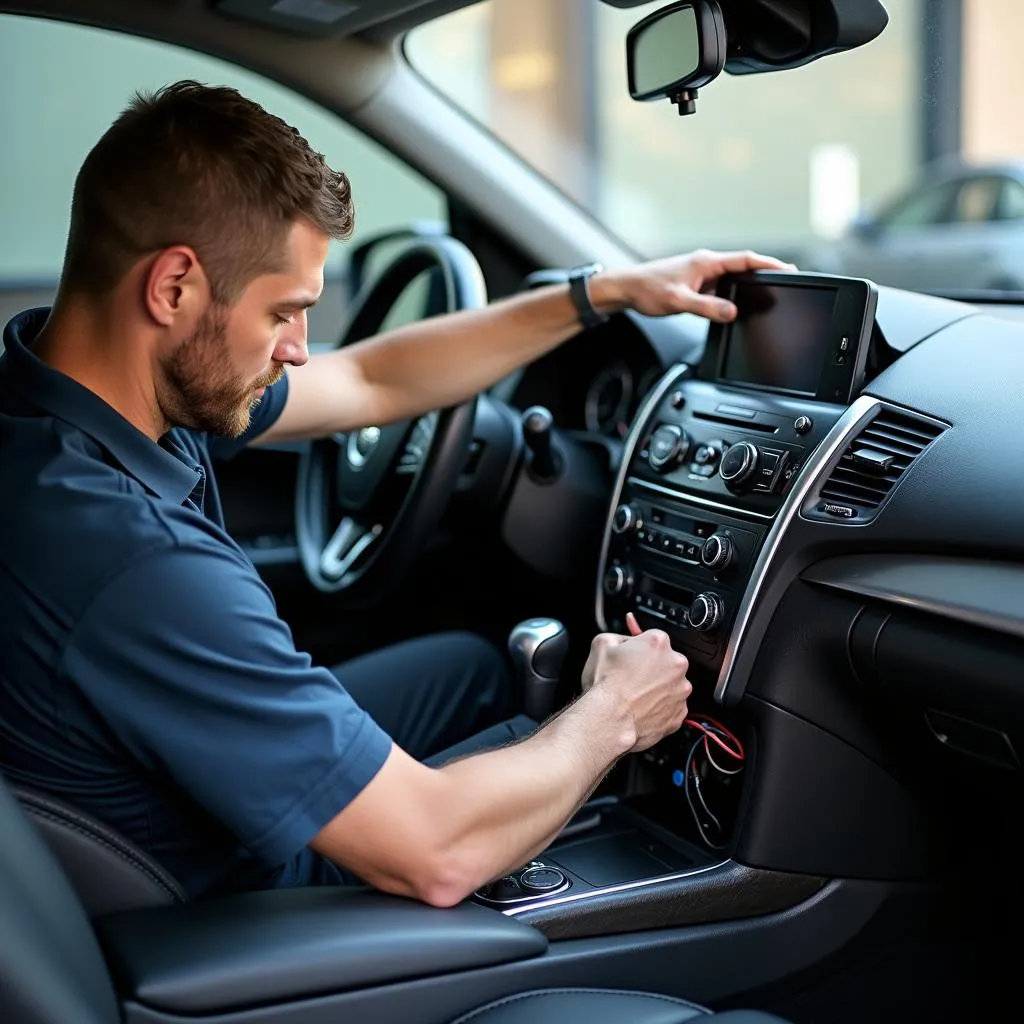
(796, 334)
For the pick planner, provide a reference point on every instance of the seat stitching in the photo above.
(112, 845)
(588, 991)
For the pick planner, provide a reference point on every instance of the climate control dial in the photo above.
(706, 612)
(668, 447)
(717, 552)
(739, 464)
(627, 518)
(618, 580)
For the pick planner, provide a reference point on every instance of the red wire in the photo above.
(739, 753)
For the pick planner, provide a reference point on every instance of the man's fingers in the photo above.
(738, 262)
(632, 625)
(719, 310)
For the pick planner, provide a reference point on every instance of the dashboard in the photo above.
(834, 470)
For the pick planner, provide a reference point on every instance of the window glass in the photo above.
(930, 206)
(788, 162)
(977, 201)
(1011, 203)
(57, 120)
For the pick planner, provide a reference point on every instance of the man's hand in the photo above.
(643, 678)
(678, 284)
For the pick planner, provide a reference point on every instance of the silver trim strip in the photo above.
(685, 496)
(672, 376)
(543, 904)
(821, 462)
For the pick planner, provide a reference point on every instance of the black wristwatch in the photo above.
(579, 292)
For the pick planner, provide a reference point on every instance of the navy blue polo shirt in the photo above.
(145, 675)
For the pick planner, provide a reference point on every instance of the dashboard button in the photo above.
(668, 447)
(803, 424)
(626, 518)
(705, 612)
(739, 464)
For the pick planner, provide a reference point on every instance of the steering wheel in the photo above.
(366, 500)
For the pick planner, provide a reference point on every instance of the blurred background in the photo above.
(897, 161)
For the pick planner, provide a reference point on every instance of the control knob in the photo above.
(668, 447)
(705, 612)
(717, 552)
(617, 580)
(626, 518)
(739, 464)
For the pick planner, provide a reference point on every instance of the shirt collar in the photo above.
(168, 472)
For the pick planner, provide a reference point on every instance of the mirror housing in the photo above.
(776, 35)
(675, 51)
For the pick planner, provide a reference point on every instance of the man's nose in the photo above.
(292, 346)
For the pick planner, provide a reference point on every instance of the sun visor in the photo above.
(323, 18)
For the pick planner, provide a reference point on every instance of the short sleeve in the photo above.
(263, 417)
(186, 659)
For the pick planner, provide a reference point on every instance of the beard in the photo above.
(201, 391)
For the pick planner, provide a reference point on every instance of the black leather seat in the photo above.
(108, 872)
(52, 970)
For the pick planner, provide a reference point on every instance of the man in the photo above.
(144, 673)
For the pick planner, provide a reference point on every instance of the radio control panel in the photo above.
(705, 474)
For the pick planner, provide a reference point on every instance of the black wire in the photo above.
(689, 798)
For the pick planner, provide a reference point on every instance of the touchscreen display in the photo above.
(780, 336)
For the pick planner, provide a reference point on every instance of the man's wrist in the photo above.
(608, 721)
(608, 292)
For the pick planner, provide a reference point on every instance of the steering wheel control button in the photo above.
(677, 401)
(739, 464)
(626, 518)
(705, 612)
(542, 880)
(803, 425)
(717, 552)
(668, 447)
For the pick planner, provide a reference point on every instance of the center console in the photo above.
(707, 468)
(714, 454)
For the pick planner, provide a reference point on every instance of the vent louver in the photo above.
(873, 463)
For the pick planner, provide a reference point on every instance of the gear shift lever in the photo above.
(538, 648)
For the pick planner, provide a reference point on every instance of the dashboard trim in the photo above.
(685, 496)
(540, 903)
(821, 460)
(671, 377)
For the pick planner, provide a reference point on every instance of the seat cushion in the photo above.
(603, 1006)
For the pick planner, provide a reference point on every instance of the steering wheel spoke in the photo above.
(350, 541)
(416, 448)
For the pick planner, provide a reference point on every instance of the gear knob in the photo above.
(538, 648)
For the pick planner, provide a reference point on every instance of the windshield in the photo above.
(894, 161)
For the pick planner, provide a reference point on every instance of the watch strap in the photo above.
(579, 292)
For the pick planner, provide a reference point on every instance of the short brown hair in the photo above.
(205, 167)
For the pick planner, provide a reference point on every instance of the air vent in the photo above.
(872, 464)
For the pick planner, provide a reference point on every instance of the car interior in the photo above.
(817, 502)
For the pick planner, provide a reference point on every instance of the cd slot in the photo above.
(717, 417)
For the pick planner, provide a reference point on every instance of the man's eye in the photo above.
(283, 319)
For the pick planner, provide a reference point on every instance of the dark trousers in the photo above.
(438, 697)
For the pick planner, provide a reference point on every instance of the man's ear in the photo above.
(175, 287)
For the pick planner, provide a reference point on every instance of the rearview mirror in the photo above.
(675, 51)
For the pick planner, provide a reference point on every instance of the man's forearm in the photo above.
(513, 801)
(442, 361)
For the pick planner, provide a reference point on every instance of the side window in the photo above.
(932, 206)
(977, 202)
(1011, 200)
(57, 122)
